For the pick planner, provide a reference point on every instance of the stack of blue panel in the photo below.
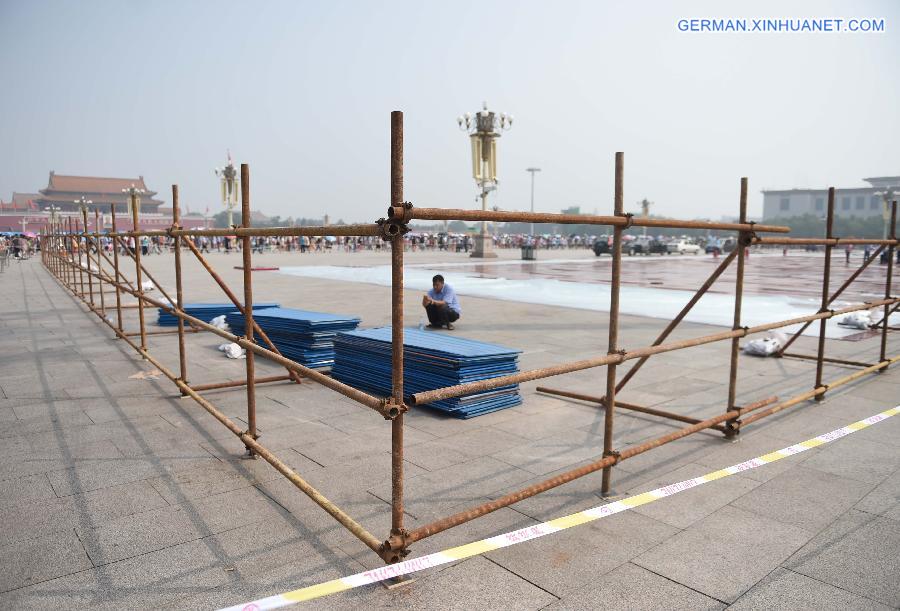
(205, 311)
(430, 360)
(302, 336)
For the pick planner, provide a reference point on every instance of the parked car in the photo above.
(684, 247)
(601, 245)
(644, 245)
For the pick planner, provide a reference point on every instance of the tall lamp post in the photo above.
(134, 207)
(886, 196)
(533, 171)
(228, 177)
(482, 127)
(53, 213)
(83, 203)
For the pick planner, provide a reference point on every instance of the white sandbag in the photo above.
(856, 320)
(767, 346)
(219, 323)
(233, 351)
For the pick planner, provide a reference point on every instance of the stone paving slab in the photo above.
(42, 558)
(632, 587)
(571, 559)
(858, 553)
(724, 554)
(784, 589)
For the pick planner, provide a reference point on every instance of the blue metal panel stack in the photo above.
(430, 360)
(205, 311)
(303, 336)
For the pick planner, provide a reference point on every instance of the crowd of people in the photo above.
(17, 246)
(151, 245)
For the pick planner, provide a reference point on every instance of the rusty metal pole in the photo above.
(137, 267)
(67, 254)
(887, 285)
(98, 247)
(613, 346)
(87, 255)
(70, 257)
(248, 306)
(826, 282)
(397, 328)
(78, 247)
(179, 296)
(732, 427)
(112, 209)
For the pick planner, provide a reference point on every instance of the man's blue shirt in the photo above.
(447, 295)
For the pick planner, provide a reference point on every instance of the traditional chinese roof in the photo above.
(94, 184)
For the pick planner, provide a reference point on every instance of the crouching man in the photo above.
(441, 304)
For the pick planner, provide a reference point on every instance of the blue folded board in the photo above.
(205, 311)
(301, 335)
(430, 360)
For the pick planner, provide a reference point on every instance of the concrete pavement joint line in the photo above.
(539, 530)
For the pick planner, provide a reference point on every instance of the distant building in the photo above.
(29, 211)
(571, 210)
(62, 191)
(860, 202)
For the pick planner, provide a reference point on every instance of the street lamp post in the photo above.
(886, 196)
(229, 183)
(532, 171)
(482, 127)
(134, 206)
(83, 204)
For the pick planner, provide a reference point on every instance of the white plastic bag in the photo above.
(233, 351)
(857, 320)
(219, 323)
(147, 286)
(766, 346)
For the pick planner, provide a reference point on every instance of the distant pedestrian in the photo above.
(847, 250)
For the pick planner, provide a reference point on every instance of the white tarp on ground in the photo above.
(712, 309)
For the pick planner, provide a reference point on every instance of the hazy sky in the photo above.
(302, 91)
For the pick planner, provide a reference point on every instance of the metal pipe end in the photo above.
(395, 549)
(391, 229)
(400, 214)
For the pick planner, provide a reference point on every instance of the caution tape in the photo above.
(539, 530)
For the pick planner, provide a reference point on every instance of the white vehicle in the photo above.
(684, 247)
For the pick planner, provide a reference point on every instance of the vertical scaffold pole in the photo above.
(116, 273)
(79, 248)
(887, 286)
(98, 247)
(826, 288)
(397, 327)
(613, 345)
(135, 224)
(732, 427)
(248, 304)
(87, 256)
(179, 296)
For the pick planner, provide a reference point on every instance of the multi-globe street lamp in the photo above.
(83, 204)
(134, 205)
(228, 177)
(483, 128)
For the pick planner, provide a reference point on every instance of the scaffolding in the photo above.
(72, 254)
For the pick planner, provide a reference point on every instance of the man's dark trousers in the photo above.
(440, 315)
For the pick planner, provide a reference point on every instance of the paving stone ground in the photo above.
(116, 493)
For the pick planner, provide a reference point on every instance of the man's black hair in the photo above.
(438, 278)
